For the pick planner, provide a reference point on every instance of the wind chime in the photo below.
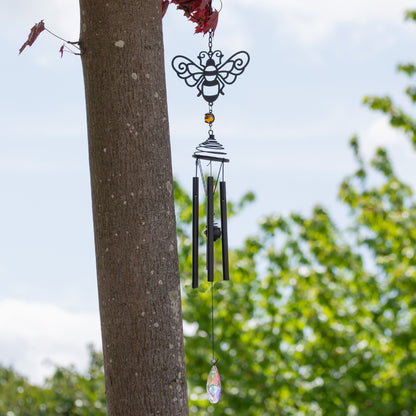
(209, 77)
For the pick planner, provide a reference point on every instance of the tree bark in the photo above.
(133, 207)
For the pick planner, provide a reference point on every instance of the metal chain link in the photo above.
(210, 40)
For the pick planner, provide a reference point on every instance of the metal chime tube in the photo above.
(210, 228)
(224, 232)
(195, 229)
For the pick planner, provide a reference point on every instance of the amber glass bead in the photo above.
(209, 118)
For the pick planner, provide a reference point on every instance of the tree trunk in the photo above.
(133, 207)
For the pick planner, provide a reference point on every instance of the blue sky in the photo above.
(285, 124)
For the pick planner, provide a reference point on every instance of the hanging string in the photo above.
(218, 176)
(198, 161)
(212, 322)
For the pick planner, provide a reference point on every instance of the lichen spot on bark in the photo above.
(134, 76)
(175, 300)
(120, 43)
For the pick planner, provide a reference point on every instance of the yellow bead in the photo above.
(209, 118)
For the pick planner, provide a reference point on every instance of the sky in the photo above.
(285, 124)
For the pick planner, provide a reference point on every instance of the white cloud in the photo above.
(311, 21)
(381, 134)
(34, 336)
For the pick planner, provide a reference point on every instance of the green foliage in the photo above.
(315, 320)
(307, 326)
(67, 392)
(410, 15)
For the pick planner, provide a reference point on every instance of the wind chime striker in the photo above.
(210, 77)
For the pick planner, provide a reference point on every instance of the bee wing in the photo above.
(233, 67)
(187, 70)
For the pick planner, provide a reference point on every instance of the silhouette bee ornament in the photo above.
(210, 76)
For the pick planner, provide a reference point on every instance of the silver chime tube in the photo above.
(210, 228)
(195, 229)
(224, 232)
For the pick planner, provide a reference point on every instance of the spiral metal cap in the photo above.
(210, 149)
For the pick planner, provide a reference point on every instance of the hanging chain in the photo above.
(210, 114)
(210, 131)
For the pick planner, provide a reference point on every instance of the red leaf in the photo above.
(61, 50)
(189, 4)
(211, 22)
(199, 12)
(34, 33)
(206, 4)
(165, 4)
